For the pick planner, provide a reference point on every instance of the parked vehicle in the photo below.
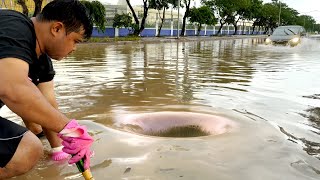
(287, 35)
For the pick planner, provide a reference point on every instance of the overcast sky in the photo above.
(309, 7)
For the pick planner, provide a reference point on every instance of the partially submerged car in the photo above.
(286, 35)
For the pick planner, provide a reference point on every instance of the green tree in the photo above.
(98, 13)
(25, 9)
(241, 12)
(229, 11)
(270, 16)
(307, 22)
(123, 20)
(161, 5)
(139, 27)
(316, 27)
(249, 10)
(202, 15)
(289, 16)
(253, 13)
(261, 17)
(37, 7)
(187, 4)
(253, 9)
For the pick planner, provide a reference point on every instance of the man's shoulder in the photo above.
(17, 36)
(15, 18)
(12, 13)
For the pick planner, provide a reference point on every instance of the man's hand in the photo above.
(77, 142)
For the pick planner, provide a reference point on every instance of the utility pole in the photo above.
(279, 12)
(178, 19)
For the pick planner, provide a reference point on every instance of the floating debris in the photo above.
(128, 169)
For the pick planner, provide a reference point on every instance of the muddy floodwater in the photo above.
(270, 94)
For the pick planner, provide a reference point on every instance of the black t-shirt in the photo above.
(18, 40)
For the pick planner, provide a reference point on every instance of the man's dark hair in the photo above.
(71, 13)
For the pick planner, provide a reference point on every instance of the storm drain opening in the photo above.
(175, 124)
(180, 131)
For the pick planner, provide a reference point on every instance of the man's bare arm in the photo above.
(47, 89)
(24, 98)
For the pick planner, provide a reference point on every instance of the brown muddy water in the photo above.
(271, 93)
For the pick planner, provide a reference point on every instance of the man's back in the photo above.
(18, 40)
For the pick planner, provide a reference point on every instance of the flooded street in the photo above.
(271, 93)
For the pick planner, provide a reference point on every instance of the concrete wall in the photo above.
(151, 32)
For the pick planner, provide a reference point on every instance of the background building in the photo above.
(153, 15)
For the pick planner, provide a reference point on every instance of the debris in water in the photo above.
(128, 169)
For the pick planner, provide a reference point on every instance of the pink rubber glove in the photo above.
(77, 142)
(57, 154)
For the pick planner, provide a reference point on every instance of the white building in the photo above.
(153, 15)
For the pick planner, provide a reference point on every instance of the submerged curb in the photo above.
(175, 39)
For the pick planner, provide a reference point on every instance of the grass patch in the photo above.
(108, 39)
(181, 131)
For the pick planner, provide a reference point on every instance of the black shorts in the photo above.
(10, 137)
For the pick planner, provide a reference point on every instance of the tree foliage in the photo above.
(139, 27)
(186, 4)
(202, 15)
(98, 13)
(270, 15)
(253, 10)
(229, 11)
(161, 5)
(263, 15)
(124, 20)
(308, 22)
(253, 13)
(267, 15)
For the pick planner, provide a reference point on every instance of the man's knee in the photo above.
(27, 155)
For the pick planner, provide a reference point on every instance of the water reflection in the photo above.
(157, 76)
(87, 53)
